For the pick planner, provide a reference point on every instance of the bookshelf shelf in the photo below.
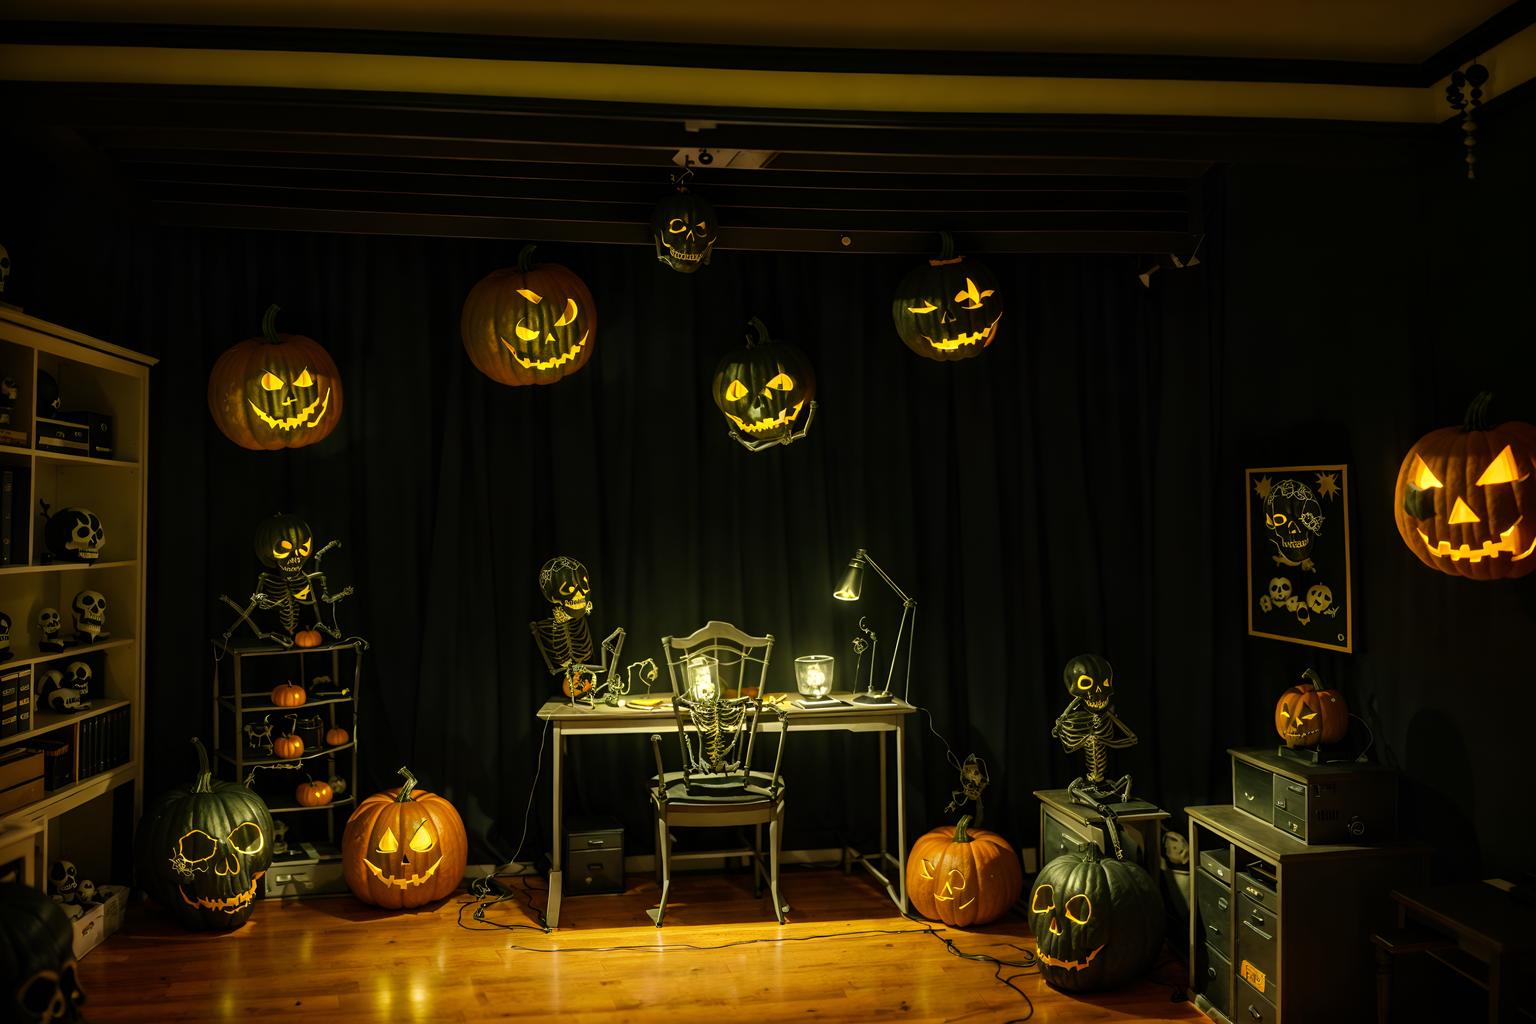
(105, 391)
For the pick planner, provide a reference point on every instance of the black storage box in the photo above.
(594, 857)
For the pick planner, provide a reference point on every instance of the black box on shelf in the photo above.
(58, 760)
(61, 435)
(98, 431)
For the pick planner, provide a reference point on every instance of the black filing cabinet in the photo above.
(1069, 827)
(594, 858)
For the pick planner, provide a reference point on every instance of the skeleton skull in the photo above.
(75, 534)
(67, 694)
(90, 612)
(48, 621)
(63, 880)
(1279, 591)
(1090, 678)
(1294, 519)
(566, 586)
(1319, 598)
(87, 891)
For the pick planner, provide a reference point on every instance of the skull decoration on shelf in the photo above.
(279, 836)
(63, 881)
(87, 891)
(73, 534)
(67, 692)
(48, 622)
(90, 617)
(5, 637)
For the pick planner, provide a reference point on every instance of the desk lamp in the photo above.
(849, 590)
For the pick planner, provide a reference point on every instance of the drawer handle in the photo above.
(1254, 1013)
(1298, 790)
(1257, 918)
(1221, 901)
(1210, 972)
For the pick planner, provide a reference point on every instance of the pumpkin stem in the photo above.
(410, 780)
(525, 258)
(762, 332)
(269, 324)
(946, 245)
(961, 835)
(204, 773)
(1311, 676)
(1478, 412)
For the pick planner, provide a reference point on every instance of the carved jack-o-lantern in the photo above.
(1098, 922)
(1466, 498)
(963, 876)
(275, 391)
(39, 980)
(566, 586)
(203, 848)
(949, 309)
(1307, 714)
(763, 389)
(684, 230)
(1092, 678)
(404, 847)
(284, 542)
(529, 324)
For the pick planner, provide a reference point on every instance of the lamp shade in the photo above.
(853, 580)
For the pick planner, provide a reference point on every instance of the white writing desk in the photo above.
(888, 866)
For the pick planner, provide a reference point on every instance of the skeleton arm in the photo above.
(1073, 728)
(1122, 742)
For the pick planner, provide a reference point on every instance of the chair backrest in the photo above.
(717, 675)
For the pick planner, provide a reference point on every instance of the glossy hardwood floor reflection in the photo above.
(845, 955)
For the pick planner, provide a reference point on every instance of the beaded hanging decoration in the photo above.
(1465, 95)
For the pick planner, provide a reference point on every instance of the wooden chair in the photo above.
(717, 677)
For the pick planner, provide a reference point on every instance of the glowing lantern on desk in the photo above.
(703, 677)
(813, 674)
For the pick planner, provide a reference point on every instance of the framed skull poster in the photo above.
(1298, 555)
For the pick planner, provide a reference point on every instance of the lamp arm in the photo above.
(906, 601)
(909, 627)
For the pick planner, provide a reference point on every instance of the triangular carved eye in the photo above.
(1502, 470)
(1422, 478)
(388, 843)
(736, 391)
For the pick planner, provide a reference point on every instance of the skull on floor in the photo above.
(90, 612)
(63, 880)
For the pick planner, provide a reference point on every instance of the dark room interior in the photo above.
(1212, 261)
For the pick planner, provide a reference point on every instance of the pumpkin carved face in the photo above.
(684, 230)
(1466, 498)
(404, 848)
(39, 979)
(763, 389)
(275, 391)
(283, 542)
(529, 324)
(1091, 678)
(202, 850)
(566, 586)
(1307, 714)
(1098, 922)
(963, 876)
(949, 309)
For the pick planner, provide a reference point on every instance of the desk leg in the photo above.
(885, 846)
(557, 830)
(901, 814)
(1496, 1000)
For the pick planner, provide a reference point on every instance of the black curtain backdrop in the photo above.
(1051, 497)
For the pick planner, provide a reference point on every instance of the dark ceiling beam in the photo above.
(1517, 17)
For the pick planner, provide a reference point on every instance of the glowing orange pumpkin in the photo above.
(963, 876)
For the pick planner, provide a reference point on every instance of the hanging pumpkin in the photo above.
(684, 230)
(1307, 715)
(963, 876)
(1463, 494)
(529, 324)
(949, 309)
(314, 794)
(404, 847)
(275, 391)
(202, 849)
(288, 695)
(763, 388)
(39, 979)
(1098, 922)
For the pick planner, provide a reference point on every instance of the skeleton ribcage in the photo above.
(719, 725)
(288, 592)
(1089, 733)
(568, 643)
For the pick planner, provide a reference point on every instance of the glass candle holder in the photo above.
(703, 677)
(813, 674)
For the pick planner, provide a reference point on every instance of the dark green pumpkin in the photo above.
(684, 230)
(283, 541)
(1091, 677)
(202, 849)
(39, 983)
(275, 391)
(763, 389)
(529, 324)
(949, 309)
(1098, 922)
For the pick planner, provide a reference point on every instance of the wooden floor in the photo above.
(845, 955)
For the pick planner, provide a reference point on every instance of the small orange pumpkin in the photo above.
(963, 876)
(288, 695)
(336, 736)
(288, 746)
(307, 638)
(313, 794)
(1307, 715)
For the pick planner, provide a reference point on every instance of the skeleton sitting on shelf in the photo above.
(1090, 724)
(283, 544)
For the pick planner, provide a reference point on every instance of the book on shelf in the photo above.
(7, 509)
(14, 437)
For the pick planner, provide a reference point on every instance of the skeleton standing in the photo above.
(1090, 724)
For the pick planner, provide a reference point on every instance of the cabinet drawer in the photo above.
(1253, 1008)
(1056, 840)
(1256, 961)
(304, 879)
(1290, 796)
(1218, 863)
(594, 871)
(1215, 981)
(1213, 912)
(1291, 824)
(1253, 790)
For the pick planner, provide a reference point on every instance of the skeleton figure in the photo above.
(258, 736)
(1294, 519)
(565, 638)
(5, 636)
(1090, 724)
(279, 836)
(90, 610)
(48, 623)
(283, 544)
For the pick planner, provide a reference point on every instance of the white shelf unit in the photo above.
(86, 820)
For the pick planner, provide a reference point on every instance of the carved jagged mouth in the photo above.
(783, 418)
(577, 603)
(229, 905)
(322, 403)
(1304, 735)
(546, 364)
(690, 257)
(984, 336)
(1096, 705)
(1071, 965)
(404, 883)
(1296, 543)
(1507, 542)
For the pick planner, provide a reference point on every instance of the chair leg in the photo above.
(775, 834)
(757, 861)
(664, 856)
